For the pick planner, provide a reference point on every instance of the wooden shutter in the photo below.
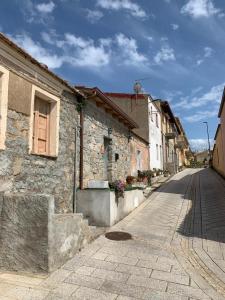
(41, 126)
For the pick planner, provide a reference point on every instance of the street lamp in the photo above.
(207, 128)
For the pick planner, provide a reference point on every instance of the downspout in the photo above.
(75, 174)
(81, 148)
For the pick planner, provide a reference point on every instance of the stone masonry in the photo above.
(96, 125)
(23, 172)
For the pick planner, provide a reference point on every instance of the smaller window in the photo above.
(157, 151)
(157, 120)
(139, 160)
(151, 114)
(4, 83)
(44, 128)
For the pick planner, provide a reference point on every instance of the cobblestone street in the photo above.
(177, 251)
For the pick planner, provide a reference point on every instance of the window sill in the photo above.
(44, 155)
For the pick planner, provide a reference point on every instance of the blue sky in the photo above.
(178, 45)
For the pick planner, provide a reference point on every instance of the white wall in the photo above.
(156, 160)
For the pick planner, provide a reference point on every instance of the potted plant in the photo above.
(166, 173)
(130, 180)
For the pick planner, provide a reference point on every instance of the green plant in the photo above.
(143, 175)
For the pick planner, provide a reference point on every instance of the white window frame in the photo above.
(4, 87)
(54, 120)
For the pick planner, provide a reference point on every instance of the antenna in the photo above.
(137, 87)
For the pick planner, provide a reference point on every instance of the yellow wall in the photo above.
(218, 154)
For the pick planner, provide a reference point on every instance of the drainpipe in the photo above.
(81, 148)
(75, 174)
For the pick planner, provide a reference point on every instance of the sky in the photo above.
(176, 48)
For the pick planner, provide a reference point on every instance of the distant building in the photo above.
(142, 109)
(202, 157)
(169, 133)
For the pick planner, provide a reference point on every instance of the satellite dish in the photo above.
(137, 87)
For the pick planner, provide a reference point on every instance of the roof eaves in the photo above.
(20, 50)
(222, 103)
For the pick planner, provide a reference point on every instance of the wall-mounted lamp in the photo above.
(129, 136)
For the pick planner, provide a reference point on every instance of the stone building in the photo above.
(143, 110)
(107, 139)
(38, 123)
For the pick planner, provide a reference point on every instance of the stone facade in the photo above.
(97, 123)
(26, 173)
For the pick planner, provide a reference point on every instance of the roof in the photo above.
(128, 95)
(217, 131)
(222, 103)
(108, 105)
(27, 56)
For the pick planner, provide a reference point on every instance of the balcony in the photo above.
(170, 135)
(181, 143)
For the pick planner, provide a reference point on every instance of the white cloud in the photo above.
(212, 97)
(200, 8)
(200, 144)
(175, 26)
(129, 50)
(40, 13)
(208, 52)
(37, 51)
(45, 8)
(201, 115)
(165, 54)
(94, 16)
(133, 8)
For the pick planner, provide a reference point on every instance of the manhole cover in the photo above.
(118, 236)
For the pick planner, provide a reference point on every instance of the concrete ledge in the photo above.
(102, 208)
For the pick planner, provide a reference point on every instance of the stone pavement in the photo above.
(177, 251)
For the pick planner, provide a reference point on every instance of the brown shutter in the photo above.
(41, 126)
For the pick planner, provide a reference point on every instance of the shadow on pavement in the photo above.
(206, 216)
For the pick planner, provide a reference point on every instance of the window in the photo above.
(157, 151)
(151, 114)
(44, 123)
(157, 120)
(4, 82)
(139, 164)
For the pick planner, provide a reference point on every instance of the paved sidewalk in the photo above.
(177, 251)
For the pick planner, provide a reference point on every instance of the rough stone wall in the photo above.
(96, 124)
(26, 173)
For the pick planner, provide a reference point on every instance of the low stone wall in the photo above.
(35, 239)
(103, 209)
